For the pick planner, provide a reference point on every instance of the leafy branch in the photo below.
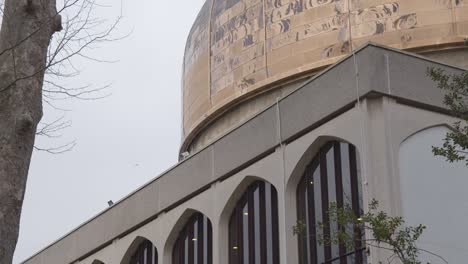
(385, 232)
(455, 146)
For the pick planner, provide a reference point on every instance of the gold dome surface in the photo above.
(237, 48)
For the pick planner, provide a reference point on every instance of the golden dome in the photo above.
(238, 48)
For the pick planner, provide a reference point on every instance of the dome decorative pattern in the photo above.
(238, 47)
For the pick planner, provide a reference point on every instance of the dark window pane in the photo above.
(257, 225)
(308, 228)
(186, 251)
(145, 254)
(205, 240)
(195, 242)
(245, 233)
(333, 176)
(269, 224)
(193, 246)
(258, 231)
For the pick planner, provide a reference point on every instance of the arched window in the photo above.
(146, 253)
(195, 243)
(332, 177)
(253, 227)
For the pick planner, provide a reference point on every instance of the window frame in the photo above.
(315, 180)
(138, 257)
(260, 223)
(183, 251)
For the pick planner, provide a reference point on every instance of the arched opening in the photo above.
(333, 176)
(253, 226)
(97, 262)
(194, 244)
(142, 251)
(433, 193)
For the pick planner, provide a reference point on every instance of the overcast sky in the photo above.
(124, 140)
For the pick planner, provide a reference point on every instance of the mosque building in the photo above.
(288, 106)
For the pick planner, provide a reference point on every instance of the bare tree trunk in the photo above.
(27, 28)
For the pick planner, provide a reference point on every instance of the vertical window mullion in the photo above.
(200, 239)
(263, 226)
(240, 233)
(301, 218)
(275, 225)
(355, 201)
(185, 253)
(311, 236)
(269, 223)
(155, 255)
(325, 200)
(332, 196)
(317, 200)
(339, 195)
(205, 240)
(190, 244)
(251, 220)
(256, 224)
(210, 242)
(194, 241)
(234, 245)
(243, 234)
(148, 254)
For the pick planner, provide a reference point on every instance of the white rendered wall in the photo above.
(435, 193)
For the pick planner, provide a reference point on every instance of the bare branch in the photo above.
(81, 33)
(51, 130)
(58, 150)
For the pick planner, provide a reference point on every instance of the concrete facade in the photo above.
(375, 100)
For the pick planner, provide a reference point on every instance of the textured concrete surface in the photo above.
(457, 57)
(239, 114)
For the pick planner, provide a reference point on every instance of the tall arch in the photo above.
(141, 251)
(427, 181)
(253, 226)
(194, 244)
(333, 176)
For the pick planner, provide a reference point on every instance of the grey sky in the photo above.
(123, 140)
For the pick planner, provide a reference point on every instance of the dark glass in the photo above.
(253, 227)
(193, 246)
(269, 225)
(333, 176)
(195, 240)
(245, 233)
(146, 253)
